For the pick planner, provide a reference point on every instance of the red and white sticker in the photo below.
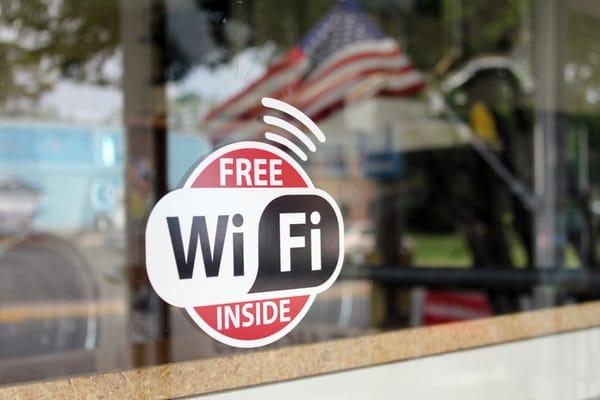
(245, 245)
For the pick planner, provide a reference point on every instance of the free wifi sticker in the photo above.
(248, 242)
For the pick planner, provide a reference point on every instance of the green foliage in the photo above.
(285, 22)
(45, 39)
(582, 64)
(486, 26)
(440, 251)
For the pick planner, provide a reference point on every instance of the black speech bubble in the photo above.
(270, 277)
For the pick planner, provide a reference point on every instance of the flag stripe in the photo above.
(293, 64)
(252, 109)
(363, 47)
(358, 69)
(345, 59)
(319, 99)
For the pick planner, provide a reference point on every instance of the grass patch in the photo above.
(450, 250)
(444, 250)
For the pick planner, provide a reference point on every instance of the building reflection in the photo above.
(463, 161)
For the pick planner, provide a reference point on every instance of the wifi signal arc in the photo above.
(292, 111)
(287, 143)
(293, 129)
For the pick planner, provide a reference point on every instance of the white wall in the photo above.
(565, 366)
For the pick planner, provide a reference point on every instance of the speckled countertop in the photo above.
(209, 375)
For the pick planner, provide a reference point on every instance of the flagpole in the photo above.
(549, 161)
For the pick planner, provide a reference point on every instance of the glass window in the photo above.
(462, 147)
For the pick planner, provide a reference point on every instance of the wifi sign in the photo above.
(292, 129)
(247, 243)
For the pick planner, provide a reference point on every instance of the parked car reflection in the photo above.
(19, 203)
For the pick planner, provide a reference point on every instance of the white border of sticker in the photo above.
(248, 344)
(241, 146)
(193, 175)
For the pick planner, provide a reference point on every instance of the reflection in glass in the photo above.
(461, 148)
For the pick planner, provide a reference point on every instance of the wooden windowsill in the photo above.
(209, 375)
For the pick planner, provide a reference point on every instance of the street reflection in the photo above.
(460, 147)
